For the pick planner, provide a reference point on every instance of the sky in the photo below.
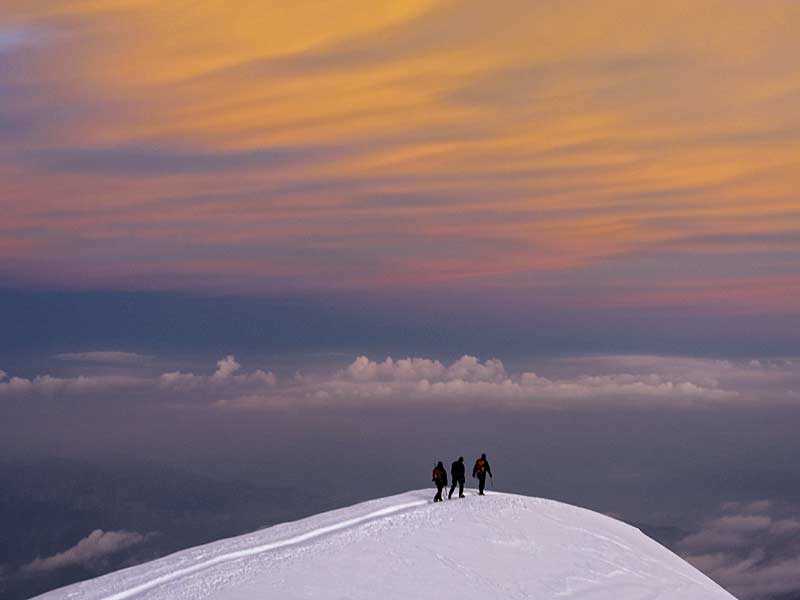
(644, 155)
(235, 232)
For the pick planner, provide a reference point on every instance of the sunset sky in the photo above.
(644, 154)
(267, 228)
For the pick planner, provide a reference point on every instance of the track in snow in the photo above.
(230, 556)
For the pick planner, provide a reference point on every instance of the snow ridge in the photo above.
(404, 546)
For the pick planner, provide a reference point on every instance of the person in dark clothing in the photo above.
(480, 470)
(440, 479)
(458, 472)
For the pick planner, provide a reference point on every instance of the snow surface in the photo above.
(501, 546)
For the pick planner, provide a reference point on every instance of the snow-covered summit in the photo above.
(501, 546)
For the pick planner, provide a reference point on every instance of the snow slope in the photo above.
(501, 546)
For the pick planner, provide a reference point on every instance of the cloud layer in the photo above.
(94, 547)
(470, 379)
(752, 549)
(582, 381)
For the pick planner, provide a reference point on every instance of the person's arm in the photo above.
(489, 470)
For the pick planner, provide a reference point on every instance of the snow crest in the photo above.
(497, 546)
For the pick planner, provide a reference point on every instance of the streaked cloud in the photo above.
(15, 38)
(643, 155)
(155, 161)
(105, 356)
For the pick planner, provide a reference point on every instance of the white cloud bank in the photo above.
(48, 385)
(90, 549)
(581, 381)
(224, 377)
(223, 383)
(469, 378)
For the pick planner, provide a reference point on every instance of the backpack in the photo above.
(480, 465)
